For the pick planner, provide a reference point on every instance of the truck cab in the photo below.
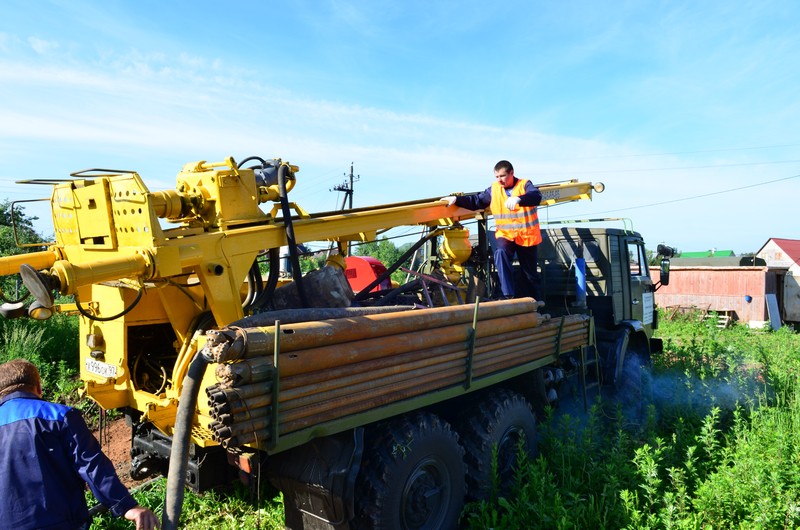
(618, 286)
(603, 271)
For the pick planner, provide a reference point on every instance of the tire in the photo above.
(412, 476)
(634, 391)
(631, 374)
(502, 418)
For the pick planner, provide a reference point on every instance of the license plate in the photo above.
(101, 368)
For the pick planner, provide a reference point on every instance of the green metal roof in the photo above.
(708, 254)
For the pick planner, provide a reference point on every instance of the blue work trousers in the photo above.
(504, 251)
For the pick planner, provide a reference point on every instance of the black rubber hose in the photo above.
(258, 279)
(272, 279)
(297, 274)
(250, 158)
(179, 455)
(253, 285)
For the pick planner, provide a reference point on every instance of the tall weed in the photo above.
(52, 345)
(720, 447)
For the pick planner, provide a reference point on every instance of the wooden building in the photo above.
(757, 289)
(783, 257)
(735, 292)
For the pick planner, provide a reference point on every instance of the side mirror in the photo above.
(664, 271)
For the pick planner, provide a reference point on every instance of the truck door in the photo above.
(641, 286)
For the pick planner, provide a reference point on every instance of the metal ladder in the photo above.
(586, 364)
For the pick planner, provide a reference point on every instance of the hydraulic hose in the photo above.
(253, 286)
(179, 456)
(297, 274)
(272, 280)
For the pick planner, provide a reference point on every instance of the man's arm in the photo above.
(531, 197)
(475, 202)
(96, 469)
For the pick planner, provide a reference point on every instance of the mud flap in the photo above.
(318, 479)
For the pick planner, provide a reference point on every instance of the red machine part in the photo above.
(363, 270)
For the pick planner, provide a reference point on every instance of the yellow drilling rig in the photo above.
(369, 409)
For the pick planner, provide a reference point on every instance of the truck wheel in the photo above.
(636, 382)
(412, 476)
(620, 367)
(632, 374)
(503, 419)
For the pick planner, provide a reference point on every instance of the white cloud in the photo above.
(42, 46)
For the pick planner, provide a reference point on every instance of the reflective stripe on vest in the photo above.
(521, 225)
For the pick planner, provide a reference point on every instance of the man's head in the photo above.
(504, 173)
(19, 374)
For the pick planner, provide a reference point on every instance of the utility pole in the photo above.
(347, 188)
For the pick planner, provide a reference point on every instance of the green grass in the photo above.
(719, 446)
(52, 346)
(236, 508)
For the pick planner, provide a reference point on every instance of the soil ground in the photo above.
(117, 446)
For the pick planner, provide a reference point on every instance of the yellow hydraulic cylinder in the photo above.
(73, 276)
(37, 260)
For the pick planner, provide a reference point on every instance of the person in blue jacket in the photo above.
(48, 456)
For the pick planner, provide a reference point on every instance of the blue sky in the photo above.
(687, 111)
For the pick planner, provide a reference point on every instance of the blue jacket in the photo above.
(47, 455)
(479, 201)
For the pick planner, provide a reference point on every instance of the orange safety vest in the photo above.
(521, 225)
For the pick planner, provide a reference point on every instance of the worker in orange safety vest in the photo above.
(513, 204)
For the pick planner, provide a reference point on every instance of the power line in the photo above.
(699, 151)
(697, 196)
(604, 171)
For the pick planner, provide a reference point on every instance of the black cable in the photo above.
(107, 319)
(6, 300)
(297, 274)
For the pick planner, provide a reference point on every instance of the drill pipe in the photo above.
(246, 438)
(300, 396)
(349, 374)
(233, 343)
(382, 391)
(242, 433)
(371, 402)
(221, 395)
(293, 316)
(226, 431)
(240, 405)
(303, 384)
(372, 372)
(244, 372)
(238, 417)
(324, 399)
(326, 357)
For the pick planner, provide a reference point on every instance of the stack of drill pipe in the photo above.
(378, 386)
(371, 367)
(246, 342)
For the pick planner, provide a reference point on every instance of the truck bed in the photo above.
(338, 374)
